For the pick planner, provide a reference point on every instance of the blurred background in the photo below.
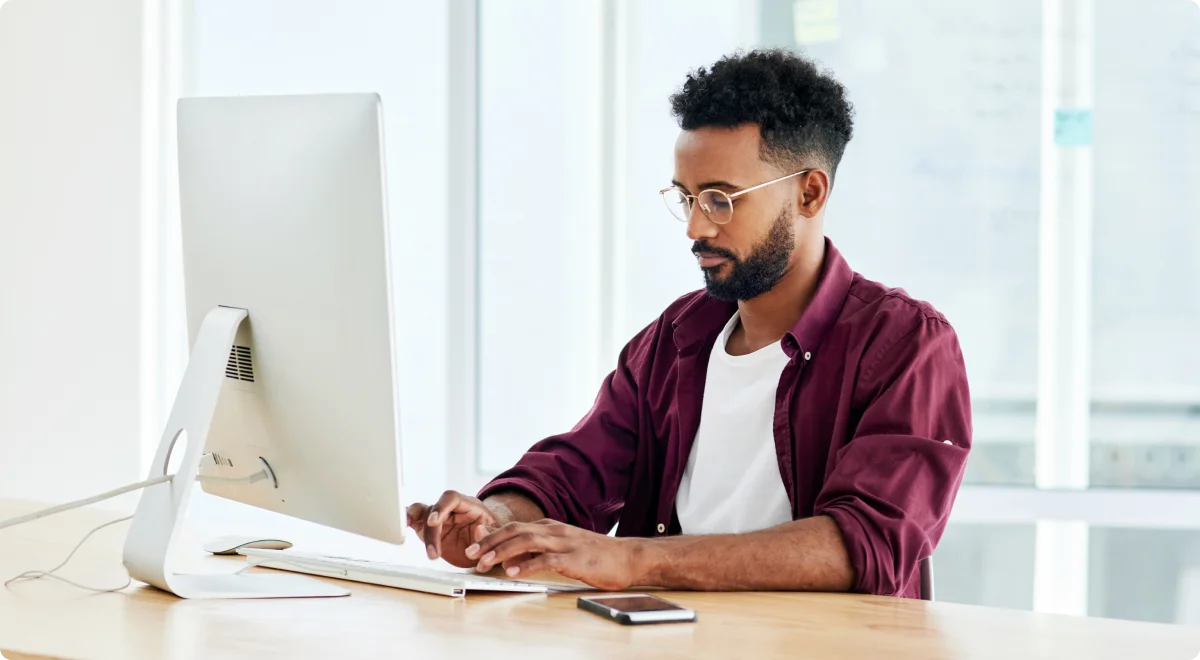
(1027, 166)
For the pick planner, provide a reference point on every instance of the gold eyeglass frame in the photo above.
(693, 199)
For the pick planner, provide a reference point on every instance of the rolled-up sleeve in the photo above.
(894, 483)
(581, 477)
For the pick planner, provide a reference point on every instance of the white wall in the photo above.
(70, 138)
(398, 49)
(71, 215)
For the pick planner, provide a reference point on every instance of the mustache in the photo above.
(704, 246)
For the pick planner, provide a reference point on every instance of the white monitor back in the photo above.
(284, 214)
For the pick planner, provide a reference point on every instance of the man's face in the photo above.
(747, 256)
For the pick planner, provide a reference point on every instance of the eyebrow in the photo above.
(706, 185)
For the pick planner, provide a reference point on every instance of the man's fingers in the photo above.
(493, 537)
(416, 518)
(417, 514)
(473, 516)
(435, 518)
(478, 533)
(446, 504)
(452, 510)
(433, 540)
(498, 536)
(531, 564)
(565, 564)
(533, 539)
(518, 560)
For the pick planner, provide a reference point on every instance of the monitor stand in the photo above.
(154, 534)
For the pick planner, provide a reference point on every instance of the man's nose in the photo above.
(699, 226)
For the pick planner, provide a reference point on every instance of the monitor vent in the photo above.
(240, 367)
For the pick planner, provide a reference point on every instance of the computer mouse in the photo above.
(228, 545)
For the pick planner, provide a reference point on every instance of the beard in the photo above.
(756, 274)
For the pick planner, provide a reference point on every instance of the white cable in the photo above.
(261, 475)
(20, 520)
(34, 575)
(128, 581)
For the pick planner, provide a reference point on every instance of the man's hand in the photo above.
(523, 548)
(458, 520)
(448, 527)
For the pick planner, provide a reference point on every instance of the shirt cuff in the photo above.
(858, 547)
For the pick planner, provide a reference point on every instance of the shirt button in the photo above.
(662, 528)
(807, 356)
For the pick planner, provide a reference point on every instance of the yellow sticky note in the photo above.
(815, 21)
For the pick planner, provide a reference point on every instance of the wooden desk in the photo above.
(43, 619)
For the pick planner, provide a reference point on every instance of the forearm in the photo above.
(805, 555)
(513, 506)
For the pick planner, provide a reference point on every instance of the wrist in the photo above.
(509, 506)
(501, 513)
(644, 561)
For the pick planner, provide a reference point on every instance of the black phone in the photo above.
(634, 609)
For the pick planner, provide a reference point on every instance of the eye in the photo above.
(713, 201)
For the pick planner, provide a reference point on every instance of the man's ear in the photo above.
(813, 193)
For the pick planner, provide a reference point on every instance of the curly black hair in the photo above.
(801, 111)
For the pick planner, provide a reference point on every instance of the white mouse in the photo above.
(228, 545)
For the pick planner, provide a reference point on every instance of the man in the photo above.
(795, 426)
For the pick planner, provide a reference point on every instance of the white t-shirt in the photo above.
(732, 483)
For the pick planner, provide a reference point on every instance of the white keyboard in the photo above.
(429, 580)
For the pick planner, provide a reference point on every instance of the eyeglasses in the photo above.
(715, 204)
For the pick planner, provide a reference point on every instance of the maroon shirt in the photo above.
(872, 426)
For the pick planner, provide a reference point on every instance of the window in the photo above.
(1145, 412)
(1021, 165)
(938, 191)
(1145, 574)
(986, 565)
(540, 201)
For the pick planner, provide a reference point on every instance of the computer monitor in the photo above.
(284, 223)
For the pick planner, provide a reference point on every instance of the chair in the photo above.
(926, 569)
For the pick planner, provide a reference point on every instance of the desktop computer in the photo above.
(286, 273)
(292, 374)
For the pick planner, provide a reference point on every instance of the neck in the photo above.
(765, 319)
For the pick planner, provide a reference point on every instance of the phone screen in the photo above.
(635, 603)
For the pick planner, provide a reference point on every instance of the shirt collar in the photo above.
(703, 318)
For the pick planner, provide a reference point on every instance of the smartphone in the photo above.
(633, 609)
